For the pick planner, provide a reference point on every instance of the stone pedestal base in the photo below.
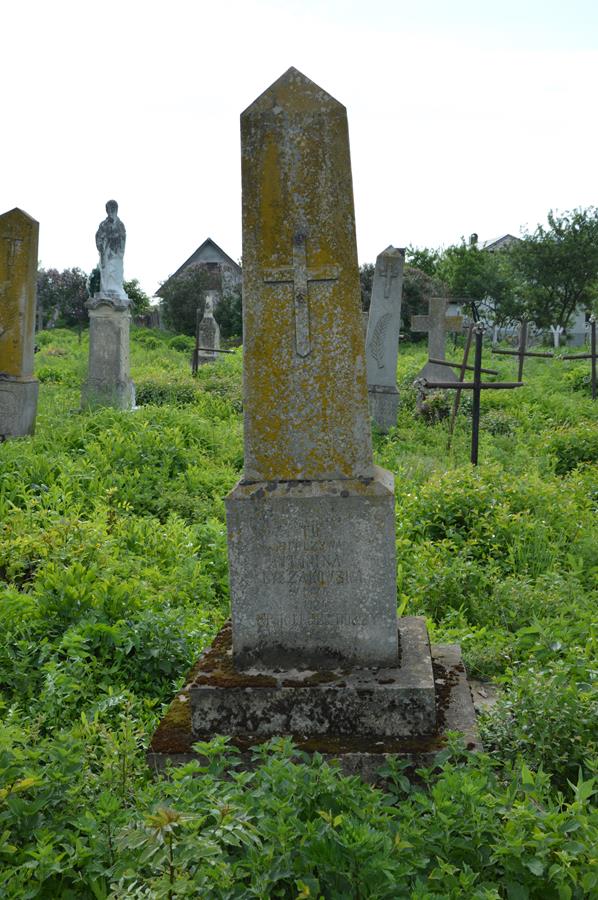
(358, 716)
(108, 381)
(434, 372)
(312, 573)
(384, 406)
(18, 406)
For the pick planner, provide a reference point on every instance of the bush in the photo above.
(159, 393)
(182, 342)
(574, 446)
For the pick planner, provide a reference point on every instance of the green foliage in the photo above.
(183, 296)
(61, 296)
(113, 577)
(558, 266)
(229, 315)
(483, 277)
(140, 302)
(182, 342)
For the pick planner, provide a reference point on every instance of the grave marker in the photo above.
(18, 285)
(382, 340)
(436, 324)
(521, 352)
(207, 333)
(591, 355)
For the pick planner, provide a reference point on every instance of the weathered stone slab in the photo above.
(18, 279)
(384, 323)
(384, 406)
(18, 406)
(208, 331)
(312, 572)
(396, 701)
(108, 381)
(437, 324)
(305, 394)
(358, 754)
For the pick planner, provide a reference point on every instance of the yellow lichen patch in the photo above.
(18, 272)
(306, 412)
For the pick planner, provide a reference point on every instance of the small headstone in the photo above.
(208, 332)
(382, 341)
(437, 324)
(108, 380)
(557, 331)
(18, 280)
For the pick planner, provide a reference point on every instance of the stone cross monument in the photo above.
(382, 341)
(437, 324)
(208, 331)
(108, 380)
(18, 281)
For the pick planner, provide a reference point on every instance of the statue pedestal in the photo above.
(108, 379)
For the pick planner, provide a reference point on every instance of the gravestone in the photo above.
(18, 280)
(108, 379)
(382, 341)
(314, 650)
(437, 324)
(208, 332)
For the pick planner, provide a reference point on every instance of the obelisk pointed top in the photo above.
(393, 251)
(18, 213)
(292, 89)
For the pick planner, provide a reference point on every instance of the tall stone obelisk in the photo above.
(311, 525)
(18, 285)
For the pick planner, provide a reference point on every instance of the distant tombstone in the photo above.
(18, 279)
(382, 341)
(556, 331)
(108, 379)
(208, 332)
(437, 324)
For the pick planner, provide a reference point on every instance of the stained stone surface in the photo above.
(18, 278)
(396, 701)
(437, 324)
(108, 380)
(384, 324)
(208, 332)
(384, 406)
(312, 572)
(305, 394)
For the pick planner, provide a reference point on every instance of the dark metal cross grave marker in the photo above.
(521, 350)
(477, 386)
(300, 276)
(591, 355)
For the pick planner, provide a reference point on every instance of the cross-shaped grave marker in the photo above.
(300, 276)
(521, 352)
(591, 355)
(477, 386)
(436, 324)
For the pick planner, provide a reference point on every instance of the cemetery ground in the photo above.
(113, 577)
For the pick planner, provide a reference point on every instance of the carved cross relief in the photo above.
(389, 271)
(300, 276)
(12, 240)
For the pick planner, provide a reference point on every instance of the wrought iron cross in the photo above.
(300, 276)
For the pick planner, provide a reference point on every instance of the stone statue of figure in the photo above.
(110, 241)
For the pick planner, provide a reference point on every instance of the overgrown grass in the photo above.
(113, 577)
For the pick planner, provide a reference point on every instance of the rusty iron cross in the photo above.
(300, 276)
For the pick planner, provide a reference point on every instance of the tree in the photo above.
(424, 259)
(229, 314)
(139, 299)
(558, 266)
(487, 278)
(181, 297)
(61, 296)
(366, 281)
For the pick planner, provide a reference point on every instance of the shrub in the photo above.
(159, 394)
(182, 342)
(574, 446)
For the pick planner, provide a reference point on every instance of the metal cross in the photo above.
(300, 276)
(591, 355)
(477, 385)
(521, 351)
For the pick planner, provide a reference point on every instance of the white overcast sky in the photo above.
(464, 116)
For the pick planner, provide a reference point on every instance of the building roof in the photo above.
(208, 252)
(495, 243)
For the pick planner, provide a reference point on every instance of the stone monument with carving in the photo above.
(208, 331)
(382, 340)
(18, 285)
(314, 650)
(108, 379)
